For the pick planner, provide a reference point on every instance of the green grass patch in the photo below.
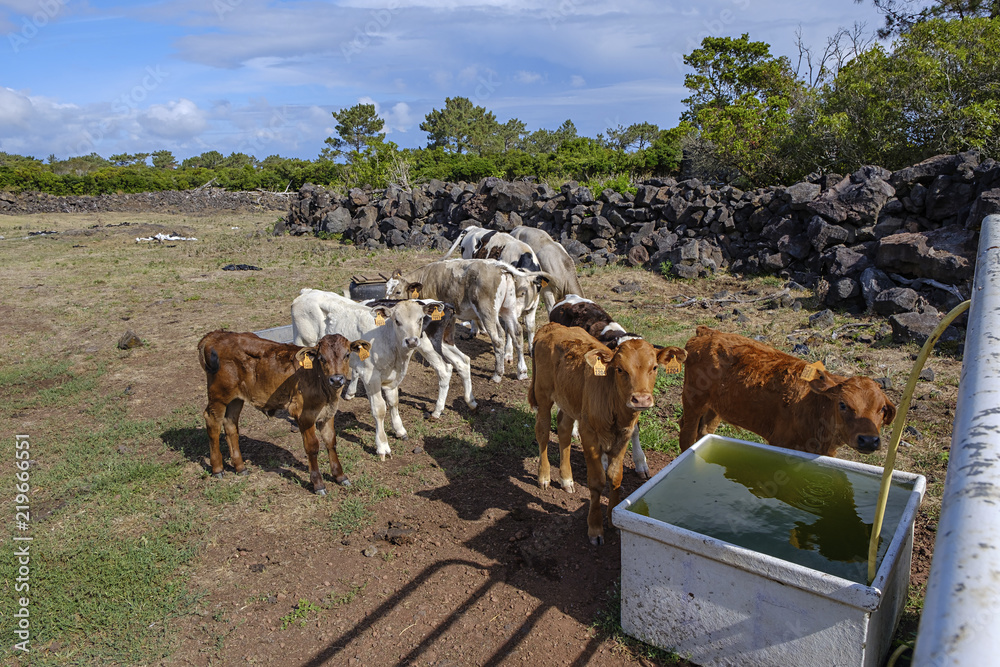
(300, 614)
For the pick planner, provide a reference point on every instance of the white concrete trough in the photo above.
(739, 553)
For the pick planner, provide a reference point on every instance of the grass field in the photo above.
(124, 517)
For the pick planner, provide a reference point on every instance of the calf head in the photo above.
(407, 320)
(397, 288)
(329, 357)
(855, 409)
(632, 368)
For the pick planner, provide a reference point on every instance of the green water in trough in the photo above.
(777, 504)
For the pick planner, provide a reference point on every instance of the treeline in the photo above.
(751, 119)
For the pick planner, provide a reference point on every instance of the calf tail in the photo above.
(209, 359)
(454, 245)
(532, 403)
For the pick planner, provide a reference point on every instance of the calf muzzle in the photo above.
(640, 401)
(868, 443)
(338, 380)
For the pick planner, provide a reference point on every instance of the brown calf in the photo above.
(241, 367)
(604, 390)
(756, 387)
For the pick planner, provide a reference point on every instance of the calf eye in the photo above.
(843, 406)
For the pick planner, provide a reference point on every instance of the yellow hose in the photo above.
(897, 432)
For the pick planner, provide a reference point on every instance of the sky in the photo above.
(263, 77)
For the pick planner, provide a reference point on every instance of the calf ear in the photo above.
(397, 274)
(671, 358)
(305, 357)
(434, 309)
(888, 413)
(362, 348)
(821, 382)
(598, 360)
(413, 290)
(381, 314)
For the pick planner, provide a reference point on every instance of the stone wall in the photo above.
(168, 201)
(902, 243)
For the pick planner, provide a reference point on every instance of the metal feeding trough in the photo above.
(739, 553)
(362, 288)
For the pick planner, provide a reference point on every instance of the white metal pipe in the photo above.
(960, 624)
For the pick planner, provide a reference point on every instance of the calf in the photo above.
(753, 386)
(554, 260)
(306, 381)
(604, 390)
(487, 291)
(575, 311)
(437, 347)
(393, 332)
(481, 243)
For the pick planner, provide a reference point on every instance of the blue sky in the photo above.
(263, 76)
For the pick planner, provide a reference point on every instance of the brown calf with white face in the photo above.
(751, 385)
(604, 390)
(244, 368)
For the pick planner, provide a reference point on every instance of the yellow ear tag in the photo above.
(673, 366)
(307, 363)
(363, 353)
(436, 315)
(414, 294)
(809, 372)
(545, 283)
(379, 320)
(599, 368)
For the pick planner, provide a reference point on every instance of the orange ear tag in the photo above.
(673, 366)
(363, 353)
(307, 363)
(599, 368)
(379, 320)
(436, 315)
(414, 294)
(809, 372)
(545, 283)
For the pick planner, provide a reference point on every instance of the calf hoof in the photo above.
(597, 540)
(344, 482)
(436, 414)
(244, 472)
(568, 486)
(643, 473)
(218, 475)
(404, 437)
(320, 492)
(497, 378)
(522, 376)
(473, 405)
(544, 483)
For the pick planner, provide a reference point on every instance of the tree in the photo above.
(935, 92)
(511, 135)
(460, 127)
(637, 136)
(742, 101)
(357, 127)
(902, 15)
(164, 160)
(207, 160)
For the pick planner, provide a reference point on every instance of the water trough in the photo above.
(739, 553)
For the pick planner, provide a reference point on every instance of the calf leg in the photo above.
(543, 421)
(564, 427)
(693, 410)
(596, 479)
(638, 456)
(513, 330)
(213, 423)
(614, 474)
(232, 422)
(311, 444)
(329, 436)
(377, 405)
(352, 389)
(443, 370)
(529, 325)
(490, 324)
(392, 398)
(461, 363)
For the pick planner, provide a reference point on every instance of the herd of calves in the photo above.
(599, 376)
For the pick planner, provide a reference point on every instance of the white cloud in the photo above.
(174, 120)
(15, 109)
(577, 81)
(527, 77)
